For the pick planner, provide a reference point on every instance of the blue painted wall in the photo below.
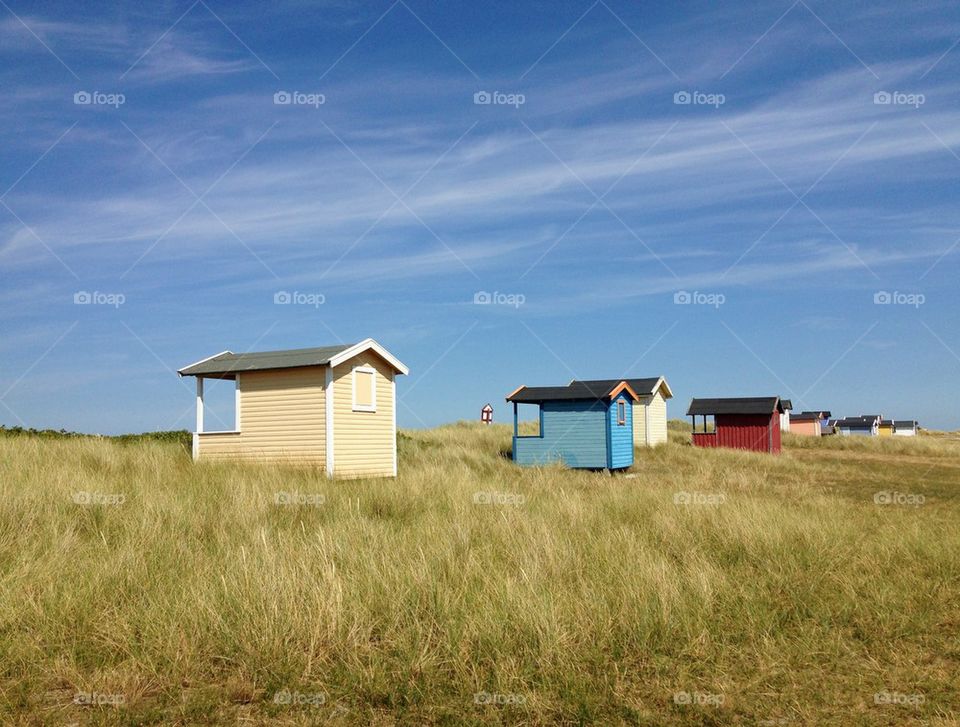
(621, 435)
(581, 434)
(856, 432)
(573, 432)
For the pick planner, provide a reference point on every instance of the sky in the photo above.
(750, 199)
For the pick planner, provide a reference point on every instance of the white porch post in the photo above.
(196, 434)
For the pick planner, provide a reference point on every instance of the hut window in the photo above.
(621, 413)
(364, 389)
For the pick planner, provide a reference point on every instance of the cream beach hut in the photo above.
(332, 407)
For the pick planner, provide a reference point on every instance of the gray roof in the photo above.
(226, 364)
(574, 391)
(741, 405)
(860, 422)
(905, 423)
(787, 404)
(640, 386)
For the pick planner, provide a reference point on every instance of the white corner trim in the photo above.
(647, 438)
(196, 363)
(364, 369)
(199, 428)
(236, 403)
(328, 423)
(393, 391)
(369, 344)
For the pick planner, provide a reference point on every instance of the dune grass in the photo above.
(702, 587)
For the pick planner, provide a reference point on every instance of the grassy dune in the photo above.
(776, 592)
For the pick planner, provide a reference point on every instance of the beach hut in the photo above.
(905, 428)
(751, 423)
(785, 416)
(811, 423)
(806, 424)
(582, 425)
(886, 428)
(866, 425)
(332, 407)
(649, 411)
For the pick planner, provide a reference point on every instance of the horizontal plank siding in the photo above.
(805, 429)
(650, 420)
(657, 418)
(641, 413)
(572, 432)
(621, 435)
(282, 418)
(363, 441)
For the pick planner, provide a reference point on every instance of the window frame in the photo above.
(621, 408)
(364, 369)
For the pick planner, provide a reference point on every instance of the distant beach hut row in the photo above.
(335, 407)
(874, 425)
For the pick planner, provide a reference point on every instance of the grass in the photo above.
(793, 598)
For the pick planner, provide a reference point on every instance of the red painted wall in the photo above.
(755, 432)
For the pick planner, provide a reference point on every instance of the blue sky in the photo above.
(811, 223)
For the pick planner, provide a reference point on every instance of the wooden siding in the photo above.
(857, 432)
(650, 413)
(572, 432)
(657, 416)
(282, 417)
(758, 433)
(641, 413)
(363, 441)
(621, 436)
(806, 429)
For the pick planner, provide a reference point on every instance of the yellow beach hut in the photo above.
(332, 406)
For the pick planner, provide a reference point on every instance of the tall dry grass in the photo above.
(781, 591)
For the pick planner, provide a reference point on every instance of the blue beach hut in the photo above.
(586, 425)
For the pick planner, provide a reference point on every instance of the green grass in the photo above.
(595, 599)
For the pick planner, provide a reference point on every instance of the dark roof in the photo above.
(905, 423)
(743, 405)
(640, 386)
(886, 422)
(575, 391)
(854, 422)
(786, 404)
(822, 414)
(225, 364)
(805, 416)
